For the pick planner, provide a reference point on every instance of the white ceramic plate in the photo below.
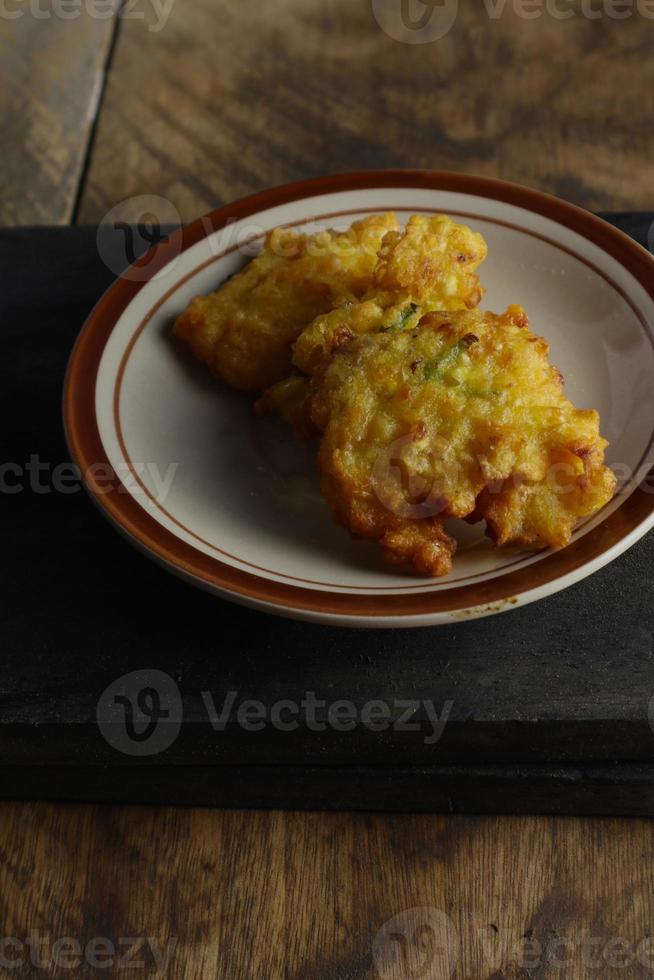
(231, 502)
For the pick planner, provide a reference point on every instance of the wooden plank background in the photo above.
(290, 896)
(230, 98)
(51, 78)
(226, 98)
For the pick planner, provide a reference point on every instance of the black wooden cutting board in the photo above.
(547, 706)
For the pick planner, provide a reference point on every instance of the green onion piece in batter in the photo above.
(405, 315)
(434, 369)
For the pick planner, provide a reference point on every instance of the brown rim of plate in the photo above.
(87, 449)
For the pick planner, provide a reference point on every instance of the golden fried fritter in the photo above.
(288, 399)
(431, 265)
(432, 259)
(317, 344)
(460, 415)
(244, 331)
(426, 407)
(328, 332)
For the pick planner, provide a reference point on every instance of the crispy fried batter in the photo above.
(431, 265)
(328, 332)
(244, 331)
(426, 407)
(544, 513)
(460, 416)
(433, 257)
(288, 400)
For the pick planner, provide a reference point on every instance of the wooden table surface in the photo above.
(220, 99)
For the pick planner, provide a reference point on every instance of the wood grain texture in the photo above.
(51, 72)
(301, 897)
(229, 98)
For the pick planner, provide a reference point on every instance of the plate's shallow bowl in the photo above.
(231, 502)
